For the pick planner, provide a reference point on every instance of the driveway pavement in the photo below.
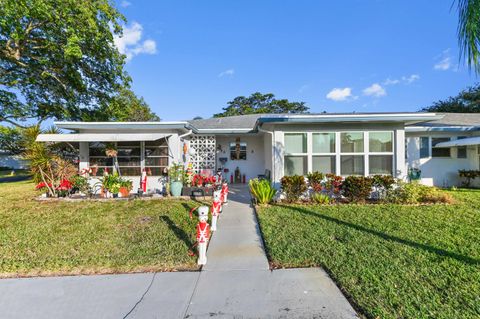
(235, 283)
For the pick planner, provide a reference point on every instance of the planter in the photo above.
(197, 191)
(124, 192)
(176, 188)
(115, 195)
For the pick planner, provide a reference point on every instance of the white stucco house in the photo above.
(438, 144)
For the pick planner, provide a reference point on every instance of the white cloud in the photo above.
(229, 72)
(410, 79)
(375, 90)
(404, 79)
(338, 94)
(125, 4)
(444, 62)
(130, 42)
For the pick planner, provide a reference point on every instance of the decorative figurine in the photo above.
(216, 209)
(203, 234)
(143, 181)
(224, 193)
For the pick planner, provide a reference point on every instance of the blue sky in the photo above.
(189, 58)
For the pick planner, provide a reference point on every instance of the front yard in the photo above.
(86, 237)
(392, 261)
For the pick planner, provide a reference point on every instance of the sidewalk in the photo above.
(235, 283)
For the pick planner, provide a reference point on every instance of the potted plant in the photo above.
(125, 187)
(115, 188)
(176, 174)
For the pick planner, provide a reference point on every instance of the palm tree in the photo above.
(469, 32)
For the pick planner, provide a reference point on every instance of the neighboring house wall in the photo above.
(254, 165)
(440, 171)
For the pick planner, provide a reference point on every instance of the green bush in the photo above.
(262, 190)
(320, 198)
(293, 187)
(357, 188)
(469, 175)
(415, 193)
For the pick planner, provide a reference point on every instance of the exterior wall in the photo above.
(437, 171)
(254, 165)
(398, 142)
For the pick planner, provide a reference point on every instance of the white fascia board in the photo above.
(461, 142)
(121, 125)
(450, 128)
(100, 137)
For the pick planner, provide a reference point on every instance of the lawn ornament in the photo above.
(224, 193)
(217, 196)
(143, 181)
(216, 209)
(203, 234)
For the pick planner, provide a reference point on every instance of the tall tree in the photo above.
(467, 101)
(57, 58)
(124, 106)
(261, 103)
(469, 32)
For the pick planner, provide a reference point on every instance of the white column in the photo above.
(83, 155)
(399, 154)
(278, 150)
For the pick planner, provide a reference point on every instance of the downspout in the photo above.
(185, 135)
(273, 150)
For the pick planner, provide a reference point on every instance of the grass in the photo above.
(392, 261)
(18, 172)
(87, 237)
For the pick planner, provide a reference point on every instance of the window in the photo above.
(156, 157)
(295, 143)
(323, 142)
(352, 142)
(380, 158)
(238, 151)
(461, 150)
(296, 160)
(352, 165)
(440, 152)
(323, 164)
(381, 141)
(424, 147)
(128, 157)
(295, 165)
(380, 164)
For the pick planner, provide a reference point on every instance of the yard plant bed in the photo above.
(392, 261)
(91, 237)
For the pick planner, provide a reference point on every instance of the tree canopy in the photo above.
(125, 106)
(467, 101)
(58, 58)
(261, 103)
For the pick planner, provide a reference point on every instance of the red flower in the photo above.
(65, 185)
(42, 185)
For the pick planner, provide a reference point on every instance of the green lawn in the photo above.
(46, 238)
(392, 261)
(18, 172)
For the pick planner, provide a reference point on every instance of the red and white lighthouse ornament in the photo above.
(203, 234)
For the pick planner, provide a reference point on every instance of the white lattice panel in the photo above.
(205, 147)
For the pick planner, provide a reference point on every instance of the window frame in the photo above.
(462, 147)
(448, 138)
(296, 154)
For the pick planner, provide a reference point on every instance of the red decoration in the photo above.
(65, 185)
(42, 185)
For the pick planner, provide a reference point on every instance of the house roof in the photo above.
(251, 122)
(449, 122)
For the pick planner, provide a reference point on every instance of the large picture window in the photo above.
(380, 158)
(352, 142)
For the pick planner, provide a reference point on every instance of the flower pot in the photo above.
(176, 188)
(124, 192)
(115, 195)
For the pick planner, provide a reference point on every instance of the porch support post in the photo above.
(83, 155)
(400, 170)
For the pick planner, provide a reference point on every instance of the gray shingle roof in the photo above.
(454, 119)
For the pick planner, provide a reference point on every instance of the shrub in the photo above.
(382, 183)
(315, 180)
(415, 193)
(262, 190)
(333, 184)
(357, 188)
(320, 198)
(80, 183)
(469, 175)
(293, 187)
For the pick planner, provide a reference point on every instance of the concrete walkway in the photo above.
(235, 283)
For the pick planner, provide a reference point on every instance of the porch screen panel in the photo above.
(128, 157)
(98, 160)
(156, 157)
(205, 152)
